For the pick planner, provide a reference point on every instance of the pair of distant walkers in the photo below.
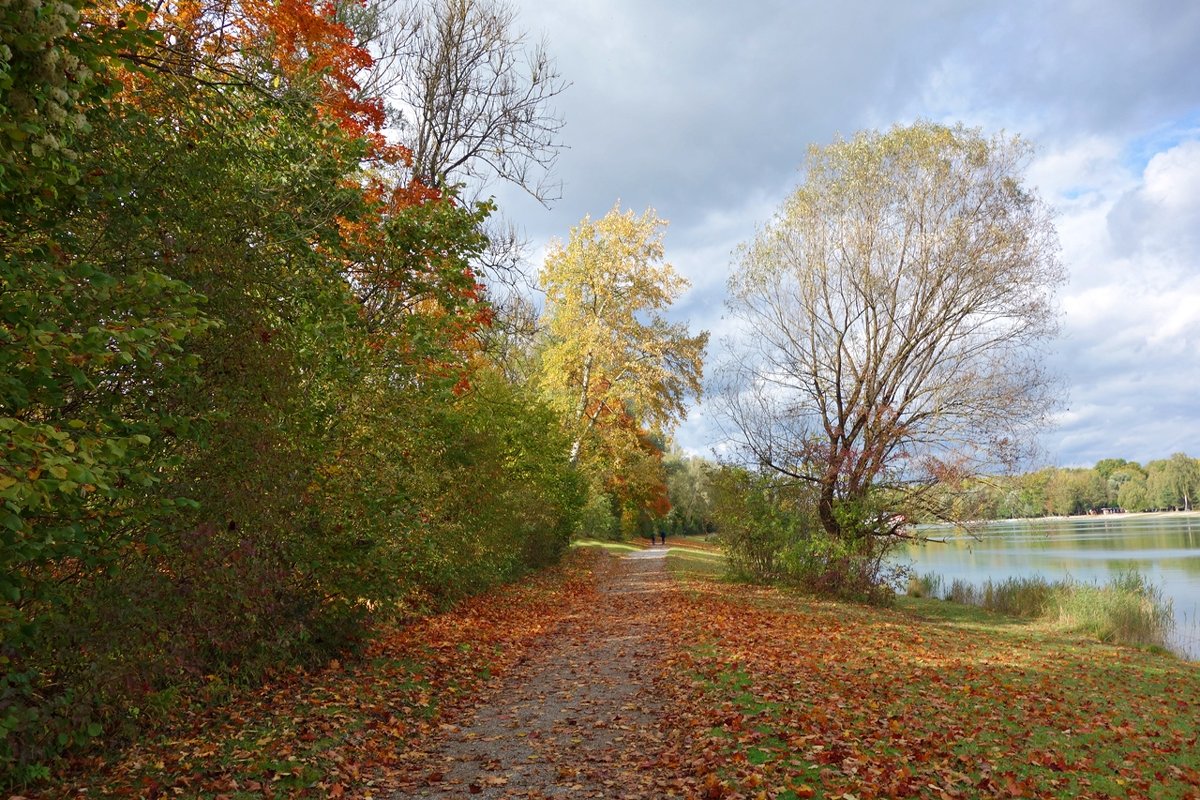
(663, 535)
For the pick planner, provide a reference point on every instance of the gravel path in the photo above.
(580, 717)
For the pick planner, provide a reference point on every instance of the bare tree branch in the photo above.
(898, 304)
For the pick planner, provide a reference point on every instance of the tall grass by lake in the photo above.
(1129, 609)
(1164, 549)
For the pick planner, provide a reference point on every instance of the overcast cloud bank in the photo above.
(704, 111)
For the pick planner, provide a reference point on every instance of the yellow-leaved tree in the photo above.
(614, 364)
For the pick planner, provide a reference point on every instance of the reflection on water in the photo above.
(1164, 548)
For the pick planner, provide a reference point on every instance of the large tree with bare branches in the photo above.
(471, 95)
(895, 308)
(474, 94)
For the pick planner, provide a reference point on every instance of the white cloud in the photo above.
(1161, 216)
(1131, 334)
(703, 110)
(1078, 172)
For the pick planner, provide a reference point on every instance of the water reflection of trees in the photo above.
(1165, 549)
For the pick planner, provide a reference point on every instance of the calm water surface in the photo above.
(1166, 549)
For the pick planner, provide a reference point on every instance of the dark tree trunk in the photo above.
(825, 510)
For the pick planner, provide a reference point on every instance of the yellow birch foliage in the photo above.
(612, 353)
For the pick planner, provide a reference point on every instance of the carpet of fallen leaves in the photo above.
(792, 698)
(756, 694)
(342, 731)
(581, 717)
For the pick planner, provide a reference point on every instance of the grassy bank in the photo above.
(1127, 610)
(686, 560)
(802, 698)
(616, 548)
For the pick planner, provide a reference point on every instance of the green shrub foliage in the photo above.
(234, 429)
(771, 533)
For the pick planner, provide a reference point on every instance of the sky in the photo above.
(704, 109)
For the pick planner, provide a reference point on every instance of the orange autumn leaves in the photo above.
(289, 49)
(300, 39)
(306, 38)
(795, 698)
(350, 729)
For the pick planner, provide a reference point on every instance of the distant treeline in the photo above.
(1168, 484)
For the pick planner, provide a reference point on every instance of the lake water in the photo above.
(1164, 548)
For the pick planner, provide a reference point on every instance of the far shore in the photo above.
(1033, 520)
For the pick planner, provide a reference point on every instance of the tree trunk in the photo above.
(581, 409)
(825, 511)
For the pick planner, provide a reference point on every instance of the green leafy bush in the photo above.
(597, 520)
(242, 414)
(771, 533)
